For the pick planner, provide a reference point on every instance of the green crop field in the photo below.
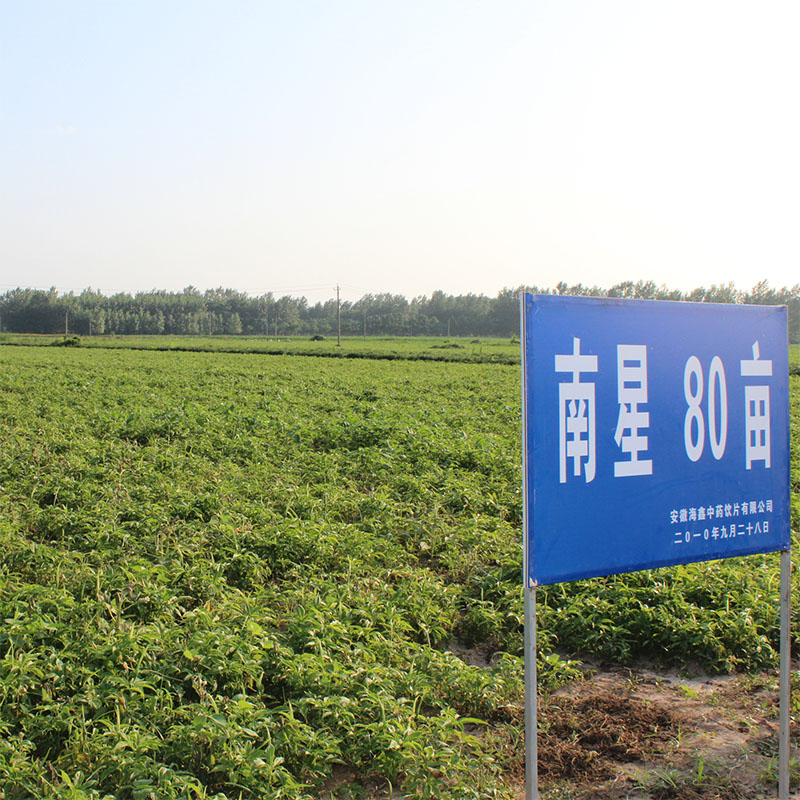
(229, 575)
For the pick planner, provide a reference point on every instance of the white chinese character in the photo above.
(576, 415)
(728, 510)
(673, 516)
(701, 514)
(756, 409)
(710, 512)
(684, 515)
(769, 505)
(692, 515)
(752, 506)
(761, 507)
(631, 391)
(718, 510)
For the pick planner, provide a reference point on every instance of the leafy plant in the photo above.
(230, 577)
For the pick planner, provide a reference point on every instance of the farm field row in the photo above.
(488, 351)
(239, 577)
(481, 351)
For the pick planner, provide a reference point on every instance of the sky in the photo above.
(398, 147)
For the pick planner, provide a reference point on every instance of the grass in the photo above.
(233, 577)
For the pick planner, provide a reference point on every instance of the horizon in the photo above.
(710, 288)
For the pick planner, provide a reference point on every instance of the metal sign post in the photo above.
(654, 433)
(531, 717)
(784, 678)
(529, 595)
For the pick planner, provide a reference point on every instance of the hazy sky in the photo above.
(402, 146)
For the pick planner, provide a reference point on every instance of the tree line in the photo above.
(230, 312)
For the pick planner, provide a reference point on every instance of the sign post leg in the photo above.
(531, 754)
(784, 678)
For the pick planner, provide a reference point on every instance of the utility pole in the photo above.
(338, 320)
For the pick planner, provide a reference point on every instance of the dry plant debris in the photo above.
(627, 734)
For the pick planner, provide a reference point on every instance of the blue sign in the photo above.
(655, 433)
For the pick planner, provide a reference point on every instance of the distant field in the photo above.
(229, 577)
(480, 351)
(502, 351)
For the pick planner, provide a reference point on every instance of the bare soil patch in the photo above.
(625, 734)
(587, 734)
